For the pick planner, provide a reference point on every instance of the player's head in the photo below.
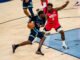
(50, 6)
(41, 14)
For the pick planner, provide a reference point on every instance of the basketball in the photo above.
(27, 1)
(31, 25)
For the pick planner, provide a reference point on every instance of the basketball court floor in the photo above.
(13, 29)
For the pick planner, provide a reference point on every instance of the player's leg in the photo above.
(47, 28)
(60, 30)
(31, 38)
(30, 6)
(26, 12)
(41, 36)
(25, 8)
(31, 11)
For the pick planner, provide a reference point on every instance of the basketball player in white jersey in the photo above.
(77, 3)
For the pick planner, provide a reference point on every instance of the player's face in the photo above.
(42, 15)
(49, 8)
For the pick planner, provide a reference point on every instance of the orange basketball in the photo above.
(27, 0)
(31, 25)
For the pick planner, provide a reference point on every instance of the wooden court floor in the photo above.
(13, 30)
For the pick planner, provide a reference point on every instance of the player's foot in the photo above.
(65, 47)
(14, 48)
(39, 53)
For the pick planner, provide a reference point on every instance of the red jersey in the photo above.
(52, 21)
(52, 17)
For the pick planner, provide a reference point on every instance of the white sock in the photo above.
(64, 44)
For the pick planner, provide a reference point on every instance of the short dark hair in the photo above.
(50, 4)
(40, 12)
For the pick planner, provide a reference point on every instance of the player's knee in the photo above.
(62, 35)
(62, 32)
(29, 42)
(43, 38)
(25, 10)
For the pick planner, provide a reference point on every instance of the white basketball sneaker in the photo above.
(64, 45)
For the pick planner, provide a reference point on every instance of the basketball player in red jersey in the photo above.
(52, 21)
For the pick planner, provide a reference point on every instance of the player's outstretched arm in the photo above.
(63, 6)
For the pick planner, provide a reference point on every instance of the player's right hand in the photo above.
(37, 10)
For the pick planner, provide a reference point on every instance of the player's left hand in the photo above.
(38, 24)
